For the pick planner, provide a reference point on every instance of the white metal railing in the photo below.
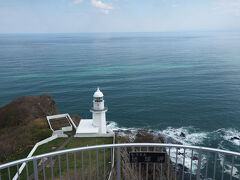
(31, 153)
(96, 162)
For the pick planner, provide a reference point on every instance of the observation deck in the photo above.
(100, 110)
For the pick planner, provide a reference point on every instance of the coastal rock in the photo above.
(182, 135)
(127, 131)
(181, 168)
(194, 158)
(142, 136)
(137, 136)
(180, 153)
(170, 140)
(234, 138)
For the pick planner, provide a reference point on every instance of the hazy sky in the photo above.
(49, 16)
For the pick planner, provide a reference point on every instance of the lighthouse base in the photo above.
(87, 129)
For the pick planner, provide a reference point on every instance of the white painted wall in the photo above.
(99, 115)
(67, 116)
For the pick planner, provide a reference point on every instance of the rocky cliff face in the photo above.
(132, 171)
(26, 108)
(160, 171)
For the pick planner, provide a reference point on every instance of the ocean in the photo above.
(166, 82)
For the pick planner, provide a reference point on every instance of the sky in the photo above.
(73, 16)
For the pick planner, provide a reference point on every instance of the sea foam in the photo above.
(230, 134)
(190, 136)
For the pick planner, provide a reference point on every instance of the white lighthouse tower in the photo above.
(95, 127)
(99, 112)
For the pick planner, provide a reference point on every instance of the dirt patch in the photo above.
(58, 123)
(76, 119)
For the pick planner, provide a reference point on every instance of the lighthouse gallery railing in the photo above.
(98, 162)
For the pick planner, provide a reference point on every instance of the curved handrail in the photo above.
(116, 146)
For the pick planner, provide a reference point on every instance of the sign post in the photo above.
(147, 157)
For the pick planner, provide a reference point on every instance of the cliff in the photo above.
(26, 108)
(160, 171)
(143, 136)
(23, 123)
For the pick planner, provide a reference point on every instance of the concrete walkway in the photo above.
(47, 162)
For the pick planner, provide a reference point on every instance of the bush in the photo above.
(14, 140)
(41, 134)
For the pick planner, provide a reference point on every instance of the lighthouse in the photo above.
(95, 127)
(99, 112)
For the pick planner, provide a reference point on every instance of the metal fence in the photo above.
(98, 162)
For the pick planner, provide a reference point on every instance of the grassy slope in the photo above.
(17, 142)
(75, 142)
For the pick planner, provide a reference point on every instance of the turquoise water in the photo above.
(167, 82)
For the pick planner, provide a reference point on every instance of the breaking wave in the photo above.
(231, 135)
(193, 136)
(190, 135)
(185, 135)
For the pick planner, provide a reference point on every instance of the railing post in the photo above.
(223, 167)
(35, 169)
(232, 168)
(97, 166)
(147, 167)
(169, 156)
(90, 166)
(184, 154)
(82, 167)
(199, 164)
(118, 164)
(175, 178)
(214, 169)
(59, 166)
(104, 164)
(75, 169)
(27, 171)
(51, 167)
(68, 176)
(18, 174)
(9, 174)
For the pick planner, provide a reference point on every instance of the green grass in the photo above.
(20, 155)
(82, 142)
(74, 143)
(49, 147)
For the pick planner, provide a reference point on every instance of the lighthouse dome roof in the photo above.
(98, 93)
